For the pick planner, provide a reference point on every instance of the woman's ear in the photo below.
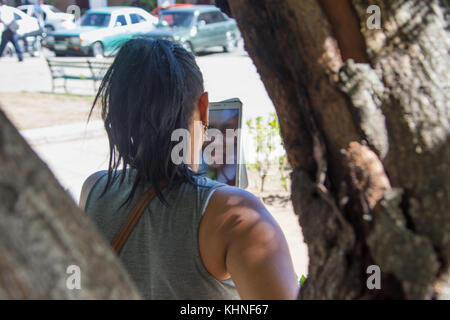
(203, 107)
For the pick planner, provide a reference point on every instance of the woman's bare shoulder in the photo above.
(236, 210)
(253, 246)
(234, 196)
(229, 212)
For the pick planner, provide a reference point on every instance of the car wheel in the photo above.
(230, 45)
(98, 50)
(59, 54)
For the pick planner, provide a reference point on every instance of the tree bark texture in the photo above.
(364, 116)
(42, 233)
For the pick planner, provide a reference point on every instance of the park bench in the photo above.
(79, 69)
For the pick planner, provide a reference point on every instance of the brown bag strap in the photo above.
(132, 219)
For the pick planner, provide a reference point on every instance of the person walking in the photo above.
(10, 30)
(39, 14)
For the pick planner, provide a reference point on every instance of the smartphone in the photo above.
(222, 155)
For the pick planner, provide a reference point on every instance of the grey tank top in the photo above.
(161, 254)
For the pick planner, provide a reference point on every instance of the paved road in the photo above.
(226, 75)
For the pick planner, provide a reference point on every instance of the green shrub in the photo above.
(266, 135)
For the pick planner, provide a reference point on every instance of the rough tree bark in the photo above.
(364, 115)
(42, 233)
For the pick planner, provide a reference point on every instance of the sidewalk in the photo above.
(58, 134)
(72, 152)
(225, 77)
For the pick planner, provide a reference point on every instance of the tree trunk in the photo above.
(364, 115)
(43, 233)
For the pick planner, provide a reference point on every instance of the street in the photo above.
(226, 75)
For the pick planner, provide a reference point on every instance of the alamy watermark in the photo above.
(374, 20)
(374, 280)
(75, 10)
(73, 281)
(221, 147)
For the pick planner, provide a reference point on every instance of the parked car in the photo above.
(54, 18)
(101, 31)
(27, 24)
(27, 33)
(197, 27)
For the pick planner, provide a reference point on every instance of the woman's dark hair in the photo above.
(150, 90)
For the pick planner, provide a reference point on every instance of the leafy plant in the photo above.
(265, 135)
(263, 148)
(302, 280)
(284, 168)
(283, 164)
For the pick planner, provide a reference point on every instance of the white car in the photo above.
(101, 31)
(27, 26)
(54, 18)
(26, 23)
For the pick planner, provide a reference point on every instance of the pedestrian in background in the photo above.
(10, 30)
(39, 13)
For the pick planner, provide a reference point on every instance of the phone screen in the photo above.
(222, 119)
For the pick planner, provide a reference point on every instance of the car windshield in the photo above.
(95, 20)
(176, 19)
